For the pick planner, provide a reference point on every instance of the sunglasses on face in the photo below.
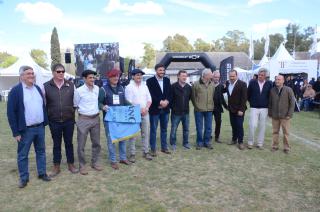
(59, 72)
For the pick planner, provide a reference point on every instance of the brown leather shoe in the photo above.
(83, 170)
(241, 146)
(72, 168)
(132, 158)
(55, 170)
(147, 156)
(97, 167)
(126, 162)
(114, 165)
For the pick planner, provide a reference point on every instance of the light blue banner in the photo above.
(123, 122)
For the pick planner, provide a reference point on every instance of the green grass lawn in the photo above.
(223, 179)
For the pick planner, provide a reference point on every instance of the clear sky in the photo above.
(28, 24)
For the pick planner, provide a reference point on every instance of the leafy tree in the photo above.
(177, 43)
(148, 59)
(40, 57)
(7, 59)
(233, 41)
(202, 46)
(55, 48)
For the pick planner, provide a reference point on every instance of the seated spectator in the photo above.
(307, 99)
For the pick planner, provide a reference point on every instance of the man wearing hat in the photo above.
(138, 93)
(86, 100)
(113, 94)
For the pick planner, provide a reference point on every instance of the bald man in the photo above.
(281, 108)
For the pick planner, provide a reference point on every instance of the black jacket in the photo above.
(180, 99)
(157, 95)
(218, 99)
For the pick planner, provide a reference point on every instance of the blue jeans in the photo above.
(154, 119)
(36, 136)
(175, 120)
(306, 104)
(112, 147)
(236, 122)
(203, 138)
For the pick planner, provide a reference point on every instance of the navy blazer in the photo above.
(15, 110)
(256, 98)
(157, 95)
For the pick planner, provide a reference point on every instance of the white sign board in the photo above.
(293, 67)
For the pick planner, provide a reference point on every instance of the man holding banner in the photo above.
(113, 94)
(138, 94)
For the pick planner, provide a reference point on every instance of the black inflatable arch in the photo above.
(188, 57)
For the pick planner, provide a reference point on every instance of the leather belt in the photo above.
(35, 125)
(91, 116)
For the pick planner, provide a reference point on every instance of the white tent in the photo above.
(283, 63)
(10, 76)
(244, 75)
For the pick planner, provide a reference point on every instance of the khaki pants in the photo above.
(87, 125)
(284, 124)
(145, 136)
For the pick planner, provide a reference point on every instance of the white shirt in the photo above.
(261, 84)
(231, 87)
(33, 105)
(160, 81)
(87, 100)
(138, 95)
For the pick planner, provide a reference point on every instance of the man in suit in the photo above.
(219, 101)
(27, 119)
(258, 97)
(237, 98)
(160, 90)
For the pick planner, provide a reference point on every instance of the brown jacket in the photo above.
(59, 102)
(238, 98)
(281, 104)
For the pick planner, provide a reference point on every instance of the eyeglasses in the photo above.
(59, 72)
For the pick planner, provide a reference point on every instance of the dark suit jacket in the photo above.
(157, 95)
(237, 100)
(218, 99)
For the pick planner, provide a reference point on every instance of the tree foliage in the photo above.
(40, 57)
(202, 46)
(177, 43)
(55, 48)
(149, 57)
(7, 59)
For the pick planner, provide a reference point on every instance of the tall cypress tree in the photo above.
(55, 48)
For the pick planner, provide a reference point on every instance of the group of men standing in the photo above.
(31, 108)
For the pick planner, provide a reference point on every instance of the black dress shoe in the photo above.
(208, 146)
(166, 151)
(23, 184)
(44, 177)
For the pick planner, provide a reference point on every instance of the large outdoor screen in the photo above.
(99, 57)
